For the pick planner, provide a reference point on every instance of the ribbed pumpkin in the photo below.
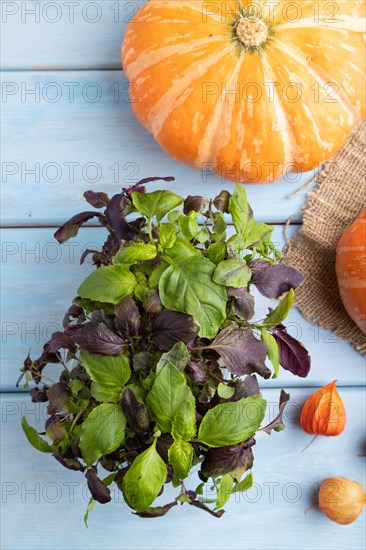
(248, 89)
(351, 270)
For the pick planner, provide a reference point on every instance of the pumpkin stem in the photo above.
(251, 31)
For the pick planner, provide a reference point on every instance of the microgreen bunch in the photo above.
(161, 349)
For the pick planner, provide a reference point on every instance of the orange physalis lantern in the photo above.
(324, 412)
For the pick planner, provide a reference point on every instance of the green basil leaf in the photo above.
(217, 252)
(188, 226)
(180, 250)
(167, 395)
(224, 490)
(34, 439)
(157, 203)
(178, 355)
(187, 286)
(141, 288)
(157, 273)
(134, 253)
(257, 233)
(272, 350)
(102, 432)
(167, 235)
(203, 236)
(173, 216)
(233, 272)
(180, 456)
(244, 484)
(184, 423)
(144, 479)
(109, 375)
(225, 391)
(89, 509)
(239, 209)
(219, 227)
(108, 284)
(233, 422)
(279, 314)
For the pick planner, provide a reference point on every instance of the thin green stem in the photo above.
(76, 419)
(150, 232)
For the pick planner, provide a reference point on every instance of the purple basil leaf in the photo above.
(241, 351)
(69, 463)
(170, 327)
(201, 506)
(111, 246)
(257, 265)
(98, 200)
(138, 224)
(59, 340)
(71, 227)
(72, 328)
(116, 220)
(221, 202)
(246, 388)
(242, 302)
(38, 396)
(55, 430)
(127, 318)
(146, 180)
(86, 253)
(153, 304)
(163, 444)
(134, 188)
(196, 371)
(157, 511)
(101, 316)
(194, 202)
(99, 339)
(293, 355)
(277, 424)
(137, 414)
(221, 460)
(275, 280)
(58, 395)
(98, 490)
(74, 312)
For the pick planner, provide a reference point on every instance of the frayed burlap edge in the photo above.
(332, 206)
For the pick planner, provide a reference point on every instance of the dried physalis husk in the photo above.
(341, 499)
(324, 413)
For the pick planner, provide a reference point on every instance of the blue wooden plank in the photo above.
(40, 279)
(49, 501)
(64, 35)
(65, 132)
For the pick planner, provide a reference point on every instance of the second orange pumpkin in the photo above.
(351, 270)
(248, 89)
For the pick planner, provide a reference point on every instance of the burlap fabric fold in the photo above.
(331, 207)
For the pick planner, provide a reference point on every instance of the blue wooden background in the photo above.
(67, 126)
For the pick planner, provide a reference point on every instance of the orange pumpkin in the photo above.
(249, 89)
(351, 270)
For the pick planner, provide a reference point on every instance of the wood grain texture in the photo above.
(40, 279)
(64, 35)
(66, 115)
(49, 501)
(65, 132)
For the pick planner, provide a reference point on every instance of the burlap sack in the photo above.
(332, 206)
